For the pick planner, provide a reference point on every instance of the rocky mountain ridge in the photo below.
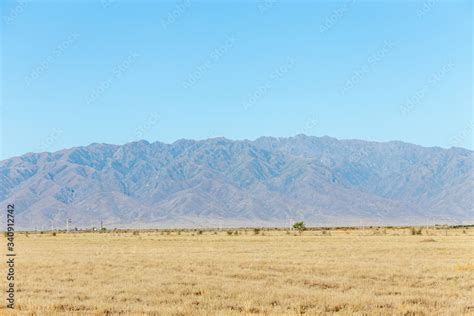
(220, 182)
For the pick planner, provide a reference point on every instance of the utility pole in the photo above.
(67, 224)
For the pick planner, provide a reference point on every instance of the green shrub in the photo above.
(299, 226)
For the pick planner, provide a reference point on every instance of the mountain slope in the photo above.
(219, 182)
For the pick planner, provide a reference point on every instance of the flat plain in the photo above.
(375, 271)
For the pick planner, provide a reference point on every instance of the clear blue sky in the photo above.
(113, 71)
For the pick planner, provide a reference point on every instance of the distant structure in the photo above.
(292, 222)
(68, 222)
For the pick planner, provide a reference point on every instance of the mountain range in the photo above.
(220, 182)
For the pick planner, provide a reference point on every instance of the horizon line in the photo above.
(300, 135)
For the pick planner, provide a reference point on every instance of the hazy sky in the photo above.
(114, 71)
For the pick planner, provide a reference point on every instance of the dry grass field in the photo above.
(363, 271)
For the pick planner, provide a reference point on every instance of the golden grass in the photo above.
(369, 271)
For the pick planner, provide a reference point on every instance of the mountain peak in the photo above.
(319, 179)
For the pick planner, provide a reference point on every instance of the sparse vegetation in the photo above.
(415, 231)
(299, 226)
(350, 273)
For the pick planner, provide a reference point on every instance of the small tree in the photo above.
(299, 226)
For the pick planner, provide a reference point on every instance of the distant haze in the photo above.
(220, 182)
